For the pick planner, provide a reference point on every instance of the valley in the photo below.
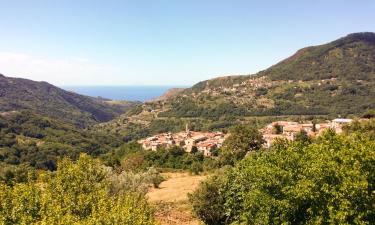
(293, 142)
(332, 80)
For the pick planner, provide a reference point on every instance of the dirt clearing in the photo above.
(171, 199)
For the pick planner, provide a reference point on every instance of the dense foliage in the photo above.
(366, 127)
(39, 141)
(242, 140)
(77, 193)
(132, 157)
(330, 181)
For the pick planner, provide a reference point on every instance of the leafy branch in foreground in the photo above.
(77, 193)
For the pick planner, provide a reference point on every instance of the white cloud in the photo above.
(67, 71)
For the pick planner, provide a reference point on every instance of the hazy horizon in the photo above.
(122, 92)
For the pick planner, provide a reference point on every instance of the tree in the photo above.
(196, 168)
(361, 127)
(369, 114)
(330, 181)
(242, 139)
(277, 129)
(194, 149)
(207, 201)
(77, 193)
(303, 137)
(133, 162)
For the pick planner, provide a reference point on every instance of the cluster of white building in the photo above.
(204, 142)
(289, 130)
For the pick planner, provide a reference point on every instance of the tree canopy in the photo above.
(330, 181)
(77, 193)
(243, 138)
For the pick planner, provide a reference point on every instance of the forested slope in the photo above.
(46, 99)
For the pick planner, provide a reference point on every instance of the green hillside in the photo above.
(334, 78)
(329, 80)
(46, 99)
(350, 58)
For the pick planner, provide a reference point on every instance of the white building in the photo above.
(338, 123)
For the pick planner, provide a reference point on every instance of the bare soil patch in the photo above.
(171, 200)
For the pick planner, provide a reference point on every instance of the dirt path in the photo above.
(171, 199)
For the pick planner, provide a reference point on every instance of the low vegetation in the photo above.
(76, 193)
(132, 157)
(329, 181)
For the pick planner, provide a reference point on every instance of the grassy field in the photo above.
(171, 201)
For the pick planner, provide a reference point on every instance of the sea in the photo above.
(130, 93)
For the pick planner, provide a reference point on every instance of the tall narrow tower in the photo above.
(187, 130)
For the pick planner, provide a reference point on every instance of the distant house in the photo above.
(271, 138)
(341, 121)
(288, 130)
(191, 142)
(320, 127)
(308, 127)
(338, 123)
(203, 141)
(292, 130)
(155, 146)
(206, 147)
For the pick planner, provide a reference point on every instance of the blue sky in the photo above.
(156, 42)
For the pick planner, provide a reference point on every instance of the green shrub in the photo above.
(243, 139)
(208, 199)
(77, 193)
(330, 181)
(130, 182)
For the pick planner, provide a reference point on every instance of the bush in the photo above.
(302, 136)
(130, 182)
(330, 181)
(243, 138)
(196, 168)
(75, 194)
(207, 201)
(361, 127)
(155, 177)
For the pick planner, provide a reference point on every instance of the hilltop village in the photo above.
(253, 90)
(206, 142)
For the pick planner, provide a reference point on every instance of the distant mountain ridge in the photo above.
(321, 79)
(46, 99)
(350, 57)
